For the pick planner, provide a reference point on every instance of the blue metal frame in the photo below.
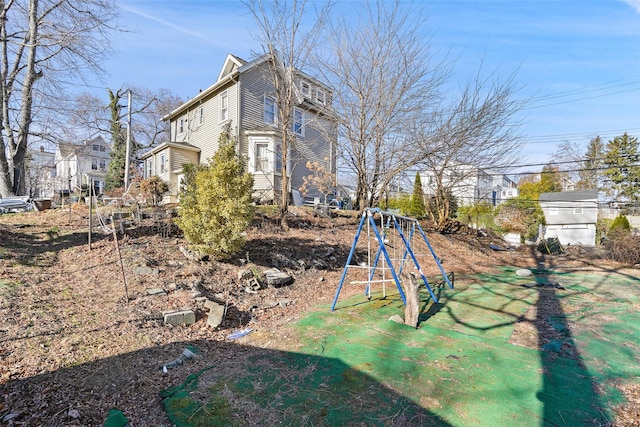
(368, 213)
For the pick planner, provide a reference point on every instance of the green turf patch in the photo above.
(355, 367)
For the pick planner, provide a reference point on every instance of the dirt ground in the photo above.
(80, 333)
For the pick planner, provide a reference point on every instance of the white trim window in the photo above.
(149, 168)
(297, 124)
(270, 111)
(201, 115)
(94, 164)
(163, 160)
(103, 165)
(224, 106)
(321, 96)
(262, 159)
(577, 211)
(305, 89)
(181, 126)
(553, 211)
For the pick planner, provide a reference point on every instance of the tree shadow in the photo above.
(223, 384)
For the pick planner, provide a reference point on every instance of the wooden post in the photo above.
(412, 308)
(124, 278)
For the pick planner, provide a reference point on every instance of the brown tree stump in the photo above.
(412, 308)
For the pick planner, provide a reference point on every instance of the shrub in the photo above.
(215, 203)
(154, 188)
(620, 223)
(623, 246)
(520, 215)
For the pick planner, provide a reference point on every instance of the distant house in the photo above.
(41, 172)
(470, 184)
(243, 95)
(82, 164)
(571, 216)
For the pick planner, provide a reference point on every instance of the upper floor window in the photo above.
(96, 147)
(298, 122)
(181, 126)
(321, 96)
(103, 148)
(553, 211)
(94, 164)
(201, 115)
(269, 110)
(305, 88)
(577, 211)
(103, 165)
(149, 167)
(224, 106)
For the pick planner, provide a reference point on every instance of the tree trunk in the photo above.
(412, 309)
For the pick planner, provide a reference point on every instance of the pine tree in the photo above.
(622, 169)
(115, 172)
(216, 207)
(591, 171)
(418, 208)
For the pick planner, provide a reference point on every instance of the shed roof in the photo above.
(569, 196)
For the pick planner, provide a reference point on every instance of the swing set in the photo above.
(396, 233)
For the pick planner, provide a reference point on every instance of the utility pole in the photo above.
(127, 159)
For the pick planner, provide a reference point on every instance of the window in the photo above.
(103, 165)
(103, 148)
(305, 88)
(162, 163)
(181, 126)
(149, 167)
(94, 165)
(269, 111)
(553, 211)
(96, 147)
(201, 115)
(298, 122)
(577, 211)
(321, 97)
(224, 106)
(262, 157)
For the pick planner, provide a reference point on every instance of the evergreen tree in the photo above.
(418, 208)
(622, 168)
(215, 201)
(591, 168)
(115, 172)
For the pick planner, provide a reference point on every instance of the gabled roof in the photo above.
(569, 196)
(231, 65)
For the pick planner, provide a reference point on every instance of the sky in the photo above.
(577, 61)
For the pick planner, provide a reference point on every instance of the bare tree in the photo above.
(477, 131)
(385, 78)
(41, 43)
(288, 46)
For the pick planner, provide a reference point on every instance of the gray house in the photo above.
(571, 216)
(243, 95)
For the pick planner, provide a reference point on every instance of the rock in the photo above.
(156, 291)
(396, 318)
(180, 317)
(216, 313)
(277, 278)
(523, 272)
(245, 274)
(148, 271)
(192, 255)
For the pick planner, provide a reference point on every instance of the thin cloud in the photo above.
(163, 22)
(635, 4)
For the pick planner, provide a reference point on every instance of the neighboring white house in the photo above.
(470, 184)
(243, 95)
(41, 171)
(82, 164)
(571, 216)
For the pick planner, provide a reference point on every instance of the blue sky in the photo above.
(578, 60)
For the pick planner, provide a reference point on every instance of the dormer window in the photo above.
(321, 97)
(305, 89)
